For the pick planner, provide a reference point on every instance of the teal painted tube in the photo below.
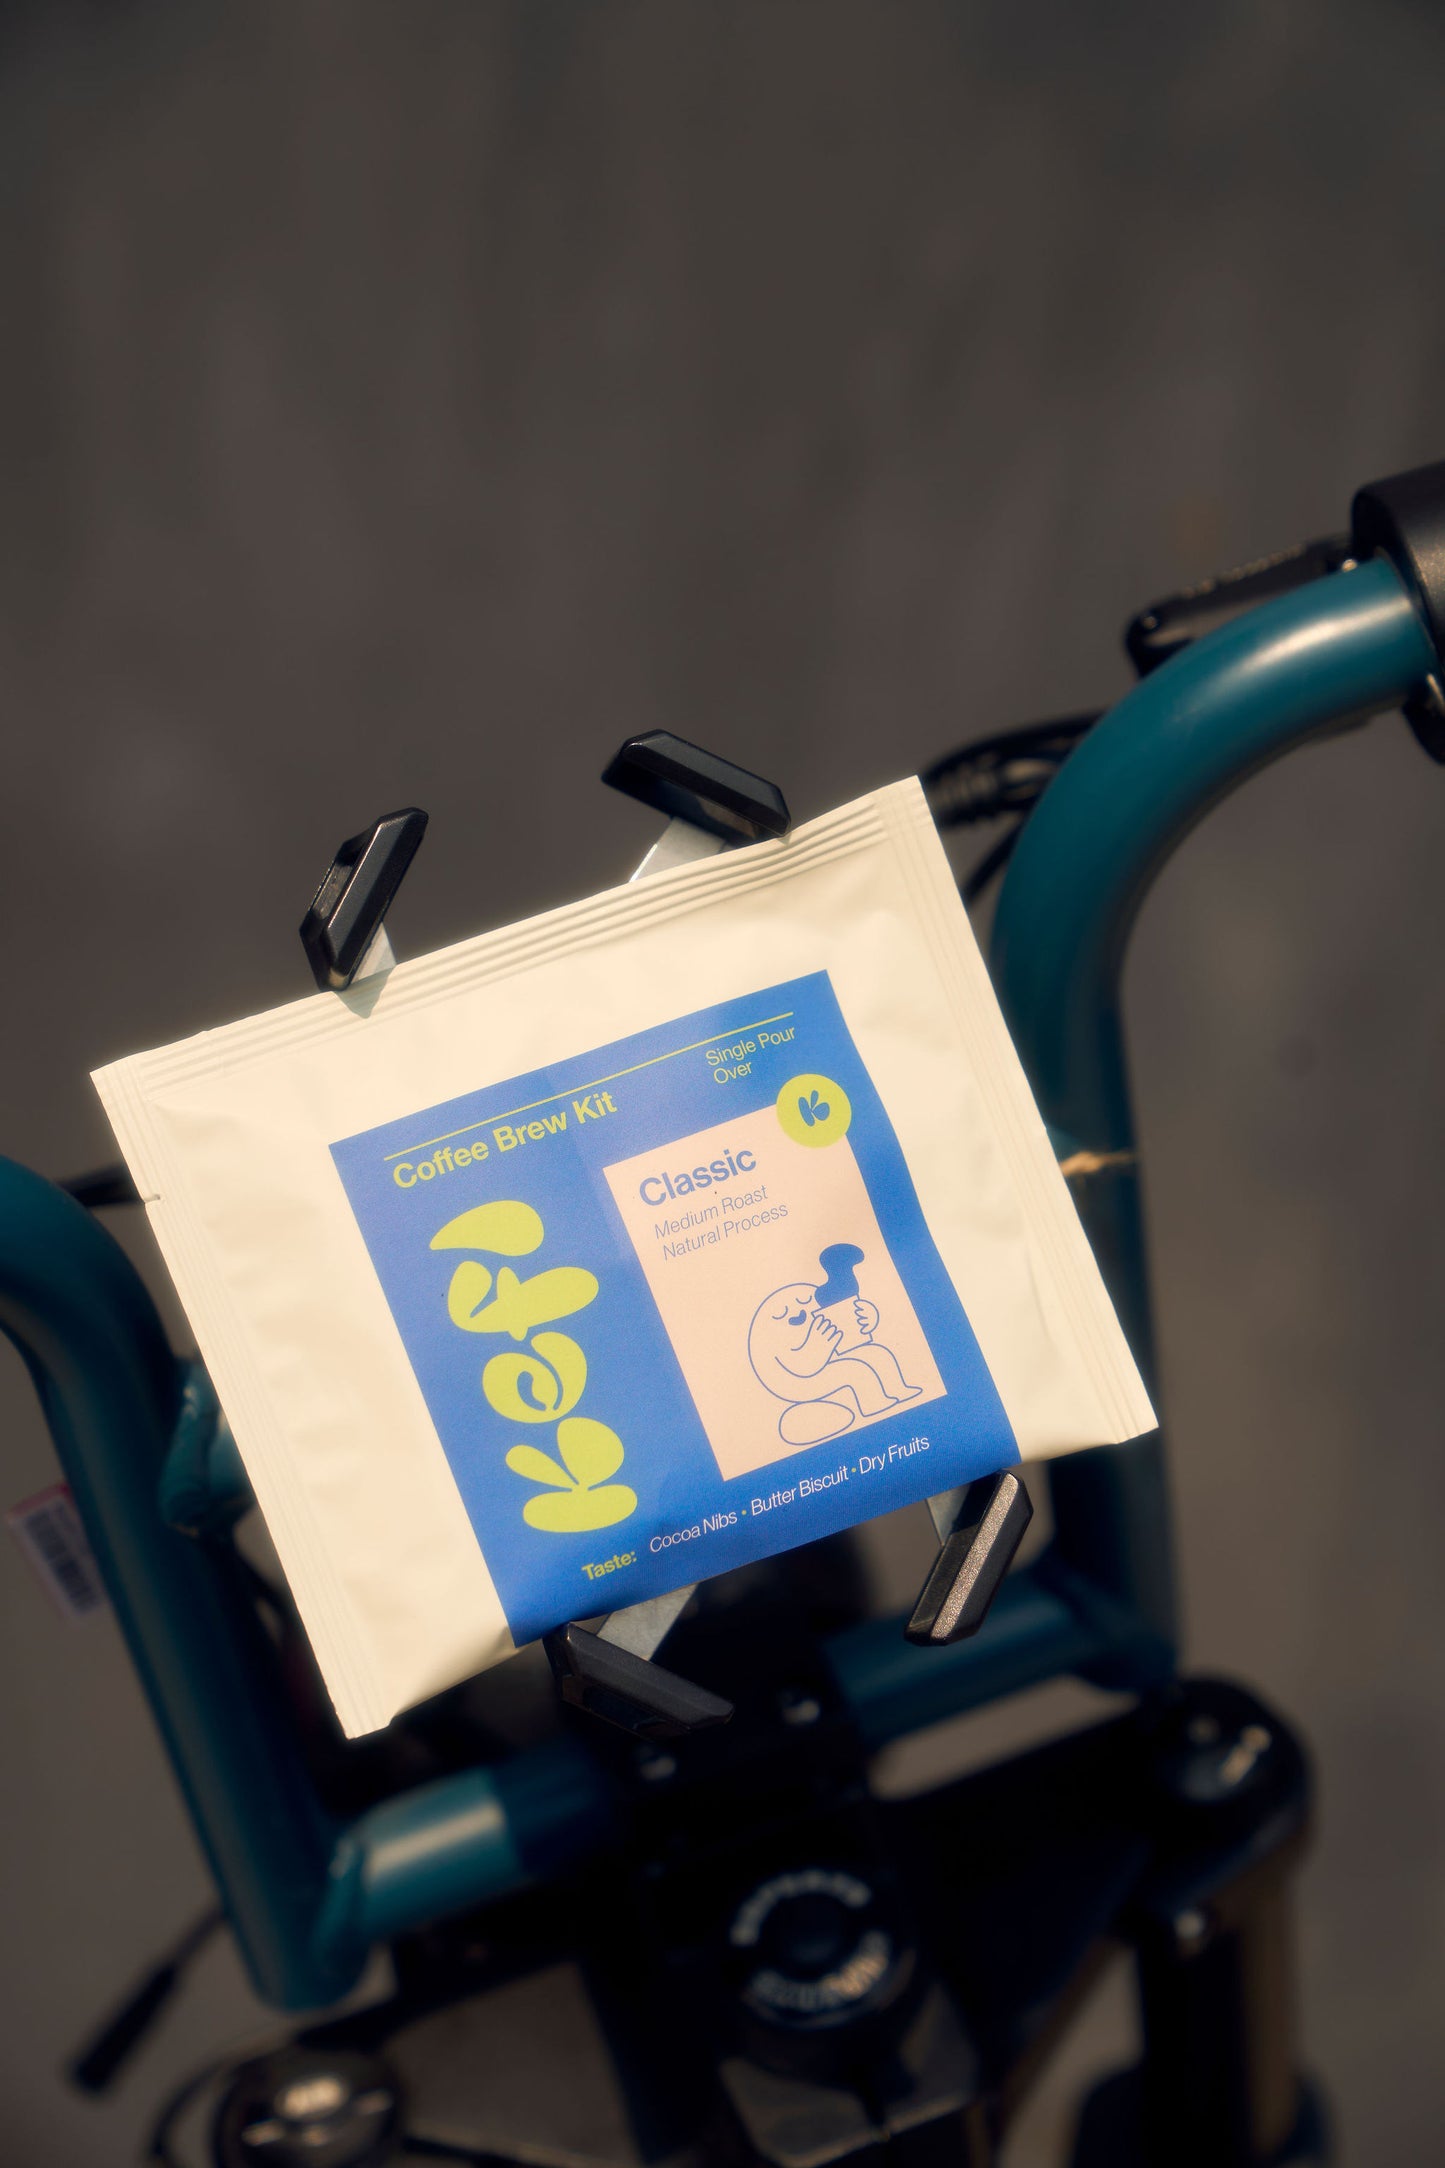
(111, 1391)
(465, 1841)
(1034, 1632)
(203, 1487)
(1343, 647)
(1338, 650)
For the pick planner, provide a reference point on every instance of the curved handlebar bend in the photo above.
(1339, 650)
(1334, 652)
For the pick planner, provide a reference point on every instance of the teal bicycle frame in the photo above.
(308, 1897)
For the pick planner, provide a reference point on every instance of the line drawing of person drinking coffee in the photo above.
(813, 1346)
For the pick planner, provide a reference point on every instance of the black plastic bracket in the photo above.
(630, 1691)
(1403, 518)
(688, 783)
(988, 1529)
(685, 783)
(355, 895)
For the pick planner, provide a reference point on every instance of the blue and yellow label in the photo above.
(673, 1305)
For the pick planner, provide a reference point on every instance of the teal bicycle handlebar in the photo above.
(308, 1896)
(1331, 653)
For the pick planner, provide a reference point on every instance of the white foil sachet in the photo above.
(584, 1259)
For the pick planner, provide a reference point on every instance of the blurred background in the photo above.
(406, 403)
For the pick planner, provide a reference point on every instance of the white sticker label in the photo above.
(48, 1530)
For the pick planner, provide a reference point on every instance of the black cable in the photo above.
(1019, 738)
(1004, 773)
(990, 865)
(102, 1186)
(991, 778)
(100, 2061)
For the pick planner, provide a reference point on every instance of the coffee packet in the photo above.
(671, 1229)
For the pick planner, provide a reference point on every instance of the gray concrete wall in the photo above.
(405, 403)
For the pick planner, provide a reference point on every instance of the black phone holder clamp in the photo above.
(343, 932)
(711, 804)
(687, 783)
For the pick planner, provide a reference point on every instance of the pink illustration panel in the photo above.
(776, 1289)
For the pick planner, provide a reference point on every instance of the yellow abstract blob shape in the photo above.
(538, 1467)
(569, 1362)
(519, 1305)
(590, 1449)
(565, 1513)
(540, 1386)
(471, 1285)
(509, 1227)
(580, 1496)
